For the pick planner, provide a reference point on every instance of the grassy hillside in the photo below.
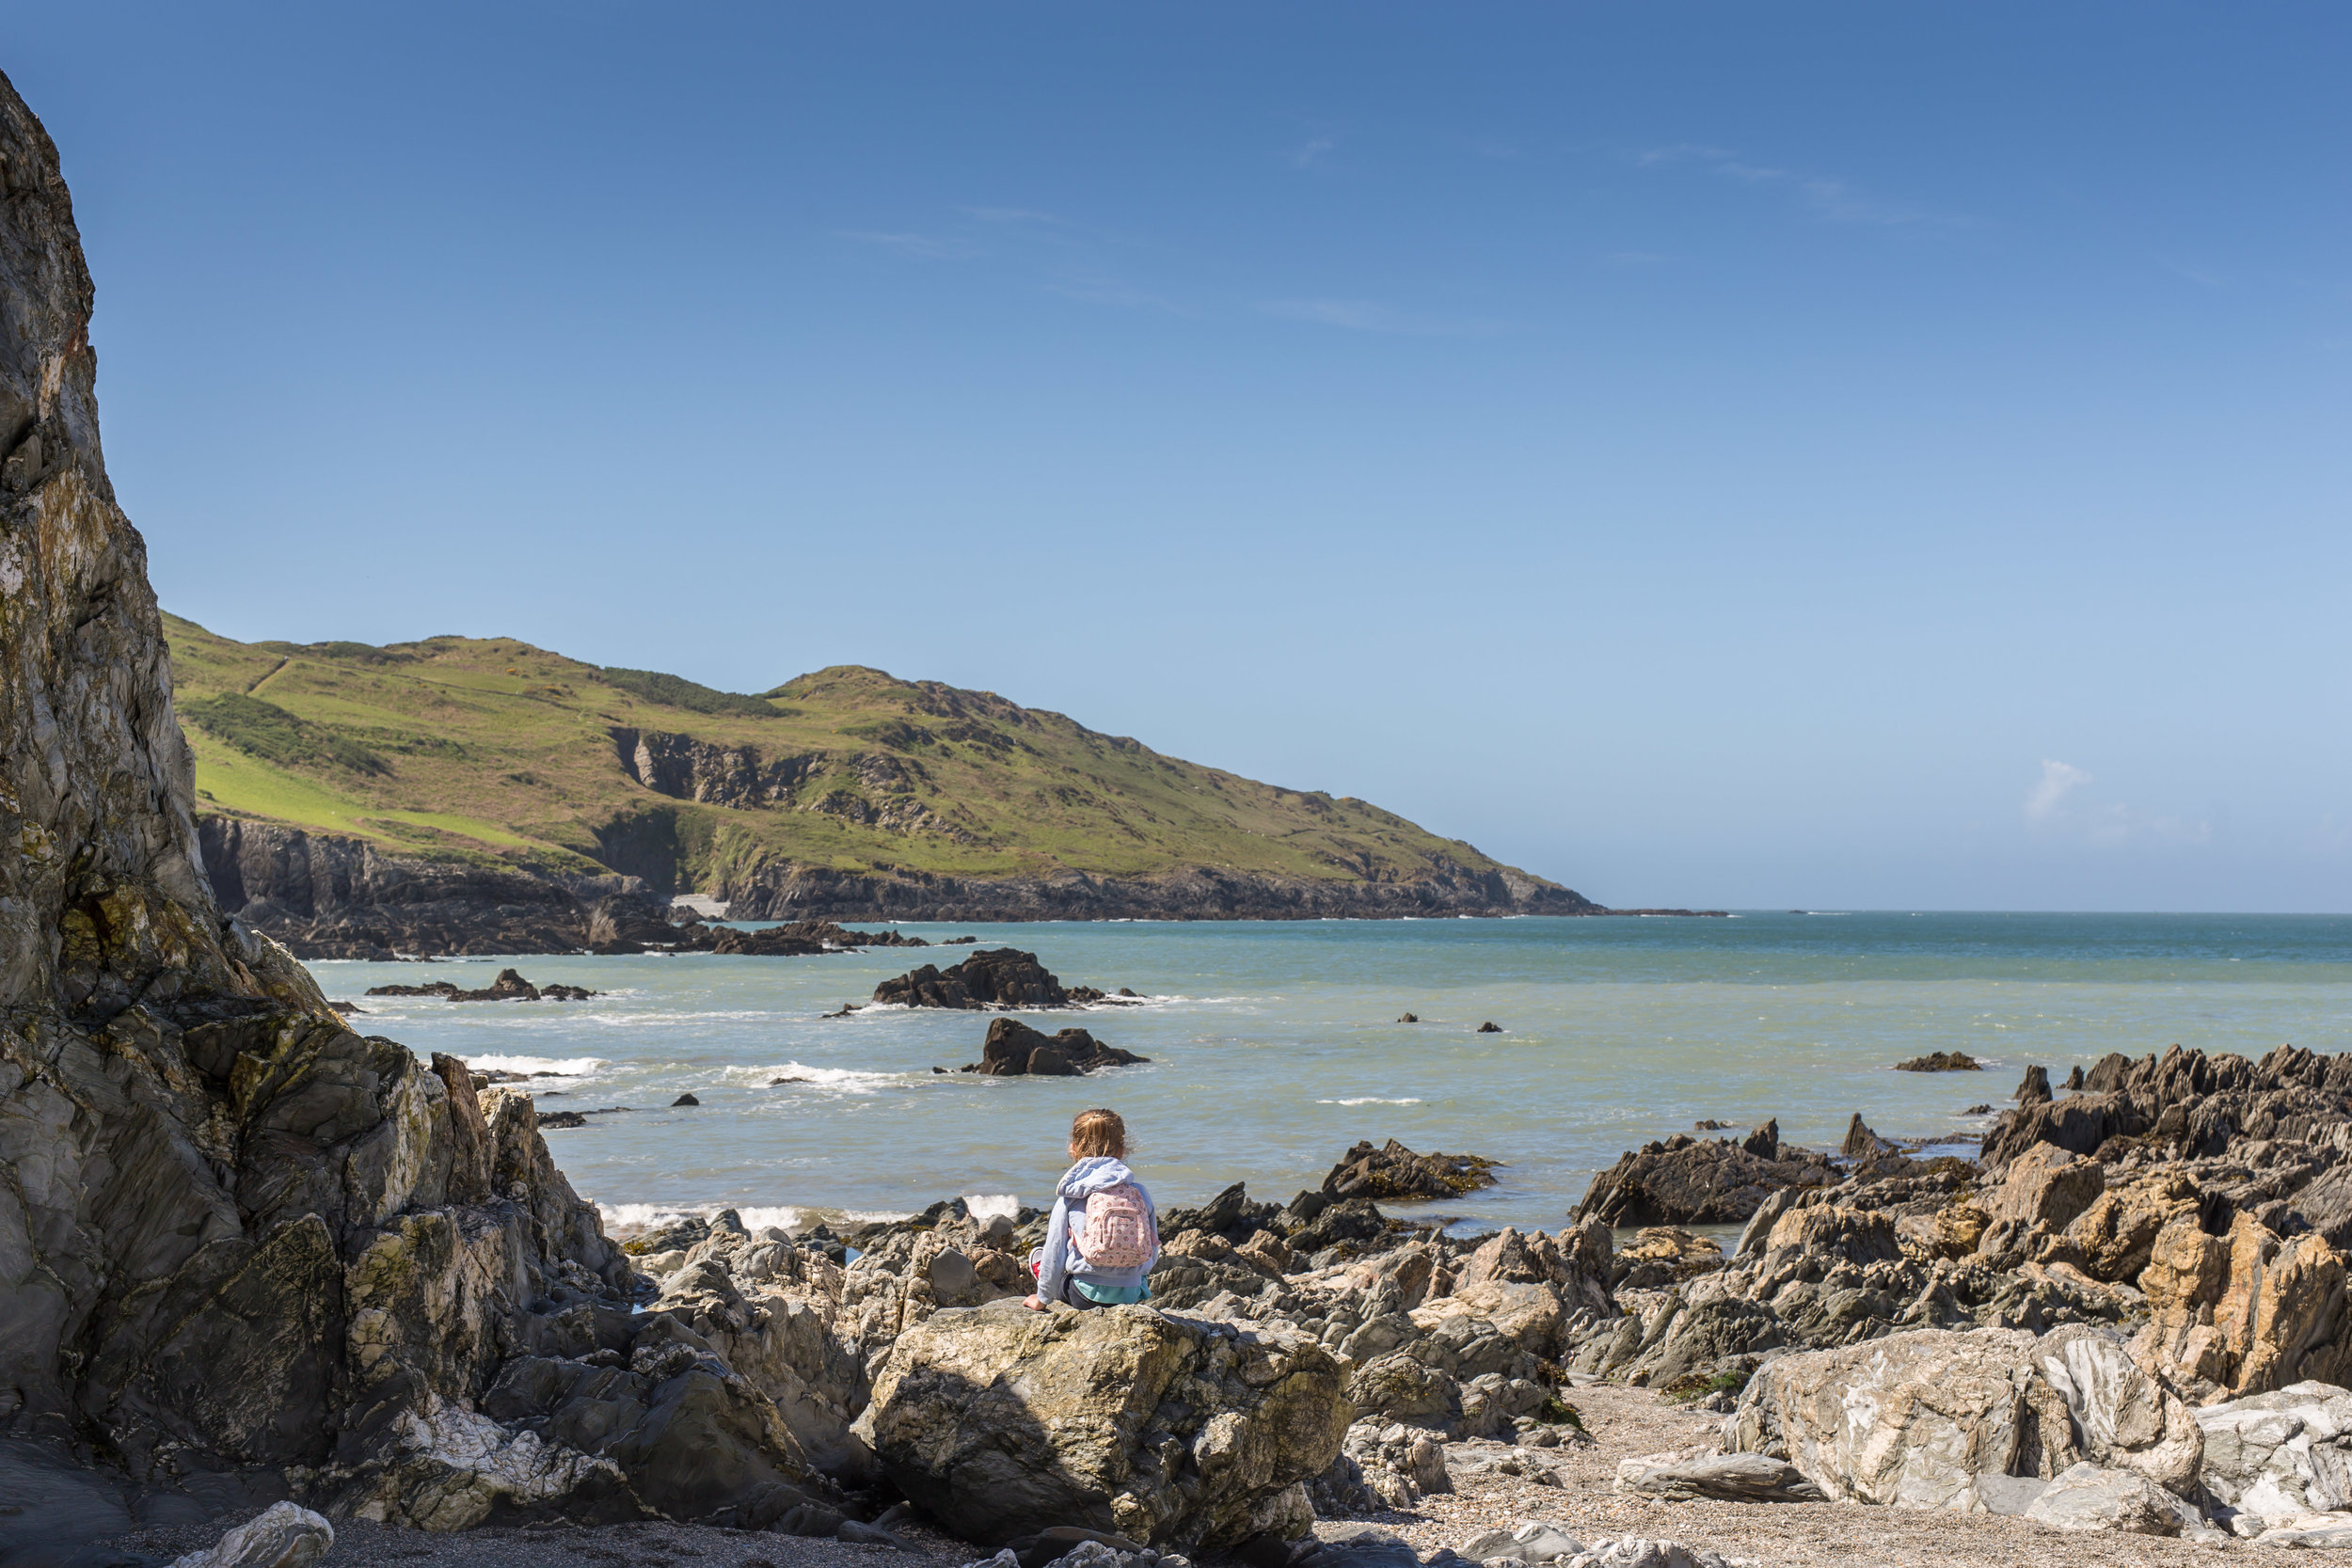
(463, 747)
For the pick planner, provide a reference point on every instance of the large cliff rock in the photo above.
(237, 1241)
(326, 895)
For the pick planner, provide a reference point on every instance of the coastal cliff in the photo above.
(480, 795)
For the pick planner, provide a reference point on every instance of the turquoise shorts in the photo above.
(1109, 1295)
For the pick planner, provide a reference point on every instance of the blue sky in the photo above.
(1808, 454)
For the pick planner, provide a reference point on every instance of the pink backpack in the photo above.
(1117, 1229)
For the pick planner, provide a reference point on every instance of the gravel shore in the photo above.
(1628, 1422)
(1622, 1423)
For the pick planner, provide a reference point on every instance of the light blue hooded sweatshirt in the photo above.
(1059, 1259)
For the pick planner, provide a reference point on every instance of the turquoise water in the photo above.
(1274, 1045)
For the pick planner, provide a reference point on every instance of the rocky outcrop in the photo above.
(1941, 1061)
(1013, 1048)
(992, 978)
(1687, 1180)
(1394, 1172)
(509, 987)
(799, 939)
(1164, 1429)
(2185, 1105)
(685, 768)
(329, 896)
(243, 1249)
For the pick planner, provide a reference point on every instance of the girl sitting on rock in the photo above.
(1105, 1232)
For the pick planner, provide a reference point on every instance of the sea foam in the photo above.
(563, 1067)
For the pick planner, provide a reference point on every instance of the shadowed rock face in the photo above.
(236, 1238)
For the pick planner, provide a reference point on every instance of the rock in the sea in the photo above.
(2084, 1496)
(1013, 1048)
(2035, 1090)
(1687, 1180)
(509, 987)
(1863, 1144)
(796, 939)
(992, 978)
(1941, 1061)
(1920, 1420)
(284, 1535)
(1166, 1428)
(1394, 1172)
(686, 1099)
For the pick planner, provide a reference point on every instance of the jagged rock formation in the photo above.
(1012, 1049)
(992, 978)
(1395, 1172)
(236, 1239)
(1687, 1180)
(2184, 1103)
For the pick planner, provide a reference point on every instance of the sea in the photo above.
(1275, 1046)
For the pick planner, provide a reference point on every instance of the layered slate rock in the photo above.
(992, 978)
(1159, 1427)
(1687, 1180)
(1013, 1048)
(1933, 1418)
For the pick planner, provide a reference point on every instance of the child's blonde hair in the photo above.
(1098, 1132)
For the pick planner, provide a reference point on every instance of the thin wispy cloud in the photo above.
(1832, 198)
(1312, 152)
(1365, 315)
(1008, 214)
(2055, 807)
(2048, 798)
(931, 247)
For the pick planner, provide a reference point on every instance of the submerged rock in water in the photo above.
(1013, 1048)
(1943, 1061)
(992, 978)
